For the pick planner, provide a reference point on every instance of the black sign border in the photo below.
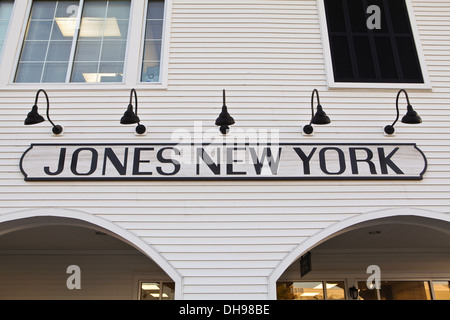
(222, 178)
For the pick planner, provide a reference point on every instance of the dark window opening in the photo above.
(387, 54)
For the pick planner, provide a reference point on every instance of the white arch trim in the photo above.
(105, 225)
(344, 226)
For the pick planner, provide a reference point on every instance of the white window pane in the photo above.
(3, 28)
(155, 9)
(152, 50)
(43, 10)
(150, 72)
(59, 50)
(88, 50)
(5, 14)
(119, 9)
(6, 9)
(102, 42)
(55, 72)
(154, 29)
(29, 72)
(85, 72)
(34, 51)
(95, 9)
(49, 23)
(111, 72)
(39, 30)
(153, 41)
(113, 51)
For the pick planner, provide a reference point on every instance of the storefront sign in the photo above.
(285, 161)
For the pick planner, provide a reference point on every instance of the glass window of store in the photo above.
(86, 41)
(156, 290)
(406, 290)
(372, 41)
(5, 14)
(151, 61)
(311, 290)
(75, 41)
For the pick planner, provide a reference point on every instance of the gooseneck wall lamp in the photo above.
(130, 116)
(353, 293)
(34, 117)
(319, 118)
(224, 120)
(411, 116)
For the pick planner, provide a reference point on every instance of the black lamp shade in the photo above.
(224, 118)
(129, 117)
(353, 293)
(411, 116)
(34, 117)
(320, 117)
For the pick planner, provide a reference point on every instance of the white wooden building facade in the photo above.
(220, 238)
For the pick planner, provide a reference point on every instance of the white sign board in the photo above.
(289, 161)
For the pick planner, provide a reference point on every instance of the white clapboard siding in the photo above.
(225, 238)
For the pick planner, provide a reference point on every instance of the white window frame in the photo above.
(133, 55)
(331, 83)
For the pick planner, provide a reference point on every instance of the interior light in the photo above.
(66, 26)
(328, 285)
(156, 295)
(150, 286)
(97, 77)
(90, 27)
(309, 294)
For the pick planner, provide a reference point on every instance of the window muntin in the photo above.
(363, 55)
(63, 46)
(153, 39)
(5, 14)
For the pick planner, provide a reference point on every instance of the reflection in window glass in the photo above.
(405, 290)
(304, 290)
(5, 14)
(102, 41)
(335, 290)
(366, 293)
(48, 54)
(157, 291)
(152, 41)
(441, 290)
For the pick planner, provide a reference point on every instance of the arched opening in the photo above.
(398, 257)
(73, 255)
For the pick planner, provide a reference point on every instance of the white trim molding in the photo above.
(355, 222)
(9, 222)
(332, 84)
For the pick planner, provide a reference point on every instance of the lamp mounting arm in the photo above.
(133, 92)
(396, 104)
(48, 104)
(312, 103)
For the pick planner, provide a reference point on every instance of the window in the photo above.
(5, 14)
(311, 290)
(75, 41)
(153, 41)
(441, 290)
(372, 46)
(157, 291)
(396, 290)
